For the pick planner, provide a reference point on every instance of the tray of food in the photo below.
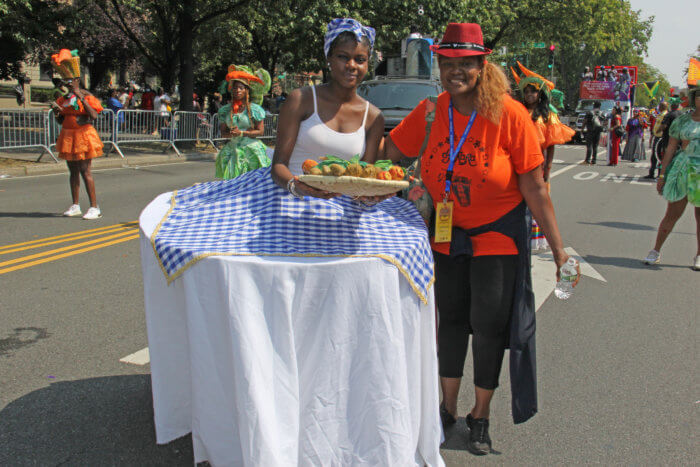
(353, 177)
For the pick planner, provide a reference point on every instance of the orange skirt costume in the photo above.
(78, 142)
(553, 131)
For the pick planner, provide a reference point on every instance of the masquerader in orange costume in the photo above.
(78, 143)
(537, 97)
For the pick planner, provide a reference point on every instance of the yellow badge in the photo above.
(443, 222)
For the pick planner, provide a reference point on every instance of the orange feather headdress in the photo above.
(531, 78)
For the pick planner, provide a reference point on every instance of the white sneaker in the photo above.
(93, 213)
(72, 211)
(652, 258)
(696, 263)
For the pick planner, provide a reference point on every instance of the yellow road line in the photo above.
(71, 234)
(65, 248)
(64, 255)
(70, 239)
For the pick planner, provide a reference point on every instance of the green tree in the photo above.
(27, 29)
(31, 30)
(649, 74)
(165, 31)
(585, 32)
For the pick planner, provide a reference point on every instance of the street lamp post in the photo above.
(90, 60)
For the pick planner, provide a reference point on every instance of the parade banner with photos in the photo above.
(598, 90)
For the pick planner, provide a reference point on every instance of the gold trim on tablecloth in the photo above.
(171, 278)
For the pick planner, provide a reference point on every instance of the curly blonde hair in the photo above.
(491, 88)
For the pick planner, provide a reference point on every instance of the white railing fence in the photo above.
(26, 129)
(39, 128)
(270, 131)
(145, 126)
(192, 126)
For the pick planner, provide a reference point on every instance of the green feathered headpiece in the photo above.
(535, 82)
(556, 102)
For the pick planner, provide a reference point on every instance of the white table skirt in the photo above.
(291, 361)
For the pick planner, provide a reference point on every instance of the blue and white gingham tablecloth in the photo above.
(251, 215)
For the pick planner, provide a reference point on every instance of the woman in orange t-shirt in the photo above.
(78, 143)
(497, 164)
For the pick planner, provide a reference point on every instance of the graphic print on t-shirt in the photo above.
(461, 187)
(475, 157)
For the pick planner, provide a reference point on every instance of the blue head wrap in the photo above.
(340, 25)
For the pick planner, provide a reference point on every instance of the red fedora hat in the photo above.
(461, 40)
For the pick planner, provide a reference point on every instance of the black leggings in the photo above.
(475, 297)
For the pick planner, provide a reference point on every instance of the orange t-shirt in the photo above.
(484, 180)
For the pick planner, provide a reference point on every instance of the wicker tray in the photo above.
(354, 186)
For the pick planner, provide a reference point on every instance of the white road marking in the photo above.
(23, 177)
(141, 357)
(544, 279)
(614, 177)
(585, 176)
(563, 169)
(586, 268)
(635, 181)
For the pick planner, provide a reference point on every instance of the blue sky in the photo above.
(676, 34)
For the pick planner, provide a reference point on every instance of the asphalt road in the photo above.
(617, 364)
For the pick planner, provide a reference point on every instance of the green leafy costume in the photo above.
(683, 173)
(241, 154)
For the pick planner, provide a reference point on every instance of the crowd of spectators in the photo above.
(135, 97)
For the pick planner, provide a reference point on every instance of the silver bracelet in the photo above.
(292, 189)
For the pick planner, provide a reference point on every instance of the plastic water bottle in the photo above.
(567, 276)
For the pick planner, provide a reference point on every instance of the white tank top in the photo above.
(315, 139)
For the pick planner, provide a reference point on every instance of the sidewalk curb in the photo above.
(114, 161)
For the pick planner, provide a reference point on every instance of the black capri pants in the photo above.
(474, 296)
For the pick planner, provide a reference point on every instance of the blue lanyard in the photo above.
(454, 151)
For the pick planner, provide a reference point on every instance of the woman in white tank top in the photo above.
(328, 119)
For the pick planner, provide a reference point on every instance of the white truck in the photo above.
(577, 121)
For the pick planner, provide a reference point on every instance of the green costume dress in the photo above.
(241, 154)
(683, 173)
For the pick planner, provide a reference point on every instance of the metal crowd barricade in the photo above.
(106, 126)
(26, 129)
(270, 127)
(193, 126)
(270, 130)
(216, 129)
(145, 126)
